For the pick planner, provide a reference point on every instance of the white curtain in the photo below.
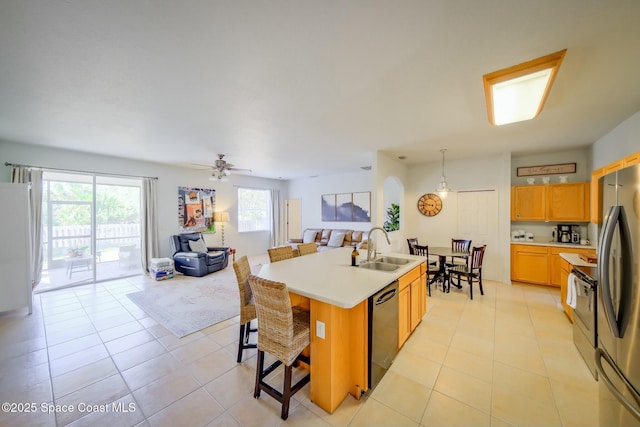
(32, 176)
(149, 219)
(276, 219)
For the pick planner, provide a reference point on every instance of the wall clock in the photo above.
(429, 204)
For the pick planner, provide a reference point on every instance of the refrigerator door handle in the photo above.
(603, 268)
(603, 376)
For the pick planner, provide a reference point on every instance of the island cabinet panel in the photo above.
(530, 264)
(568, 202)
(528, 203)
(416, 306)
(423, 295)
(412, 296)
(339, 360)
(404, 315)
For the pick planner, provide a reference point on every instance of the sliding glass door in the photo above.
(91, 229)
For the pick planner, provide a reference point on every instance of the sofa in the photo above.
(330, 238)
(192, 257)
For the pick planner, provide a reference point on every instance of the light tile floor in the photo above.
(504, 359)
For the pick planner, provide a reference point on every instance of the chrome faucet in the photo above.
(370, 246)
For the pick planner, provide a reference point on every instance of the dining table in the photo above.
(444, 252)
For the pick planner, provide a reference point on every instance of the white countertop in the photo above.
(551, 243)
(575, 260)
(329, 277)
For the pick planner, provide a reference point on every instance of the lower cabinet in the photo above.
(412, 300)
(541, 265)
(563, 272)
(530, 264)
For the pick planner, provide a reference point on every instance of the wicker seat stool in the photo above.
(247, 307)
(280, 253)
(283, 332)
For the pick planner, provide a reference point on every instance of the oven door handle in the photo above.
(612, 388)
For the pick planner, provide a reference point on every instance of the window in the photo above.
(254, 210)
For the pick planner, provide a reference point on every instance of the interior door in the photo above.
(294, 223)
(478, 221)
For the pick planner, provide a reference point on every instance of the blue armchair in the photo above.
(197, 262)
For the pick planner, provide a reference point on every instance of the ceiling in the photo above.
(293, 89)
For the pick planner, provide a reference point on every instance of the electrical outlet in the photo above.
(320, 329)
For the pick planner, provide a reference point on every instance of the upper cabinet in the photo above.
(596, 191)
(528, 203)
(550, 202)
(568, 202)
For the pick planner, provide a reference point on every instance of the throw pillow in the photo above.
(198, 246)
(336, 240)
(309, 236)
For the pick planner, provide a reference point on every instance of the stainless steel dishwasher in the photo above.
(383, 332)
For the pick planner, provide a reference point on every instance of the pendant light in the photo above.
(443, 187)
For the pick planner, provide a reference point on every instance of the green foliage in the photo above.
(114, 204)
(393, 218)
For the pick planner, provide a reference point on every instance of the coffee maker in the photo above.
(564, 233)
(568, 233)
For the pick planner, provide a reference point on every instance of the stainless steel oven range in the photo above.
(585, 331)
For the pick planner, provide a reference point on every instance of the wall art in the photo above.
(195, 209)
(547, 169)
(346, 207)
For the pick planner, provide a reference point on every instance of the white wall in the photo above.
(310, 191)
(481, 173)
(623, 140)
(580, 156)
(169, 179)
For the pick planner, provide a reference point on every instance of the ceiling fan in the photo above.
(222, 169)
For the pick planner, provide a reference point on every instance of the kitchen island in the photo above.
(337, 296)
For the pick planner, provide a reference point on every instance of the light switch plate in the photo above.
(320, 329)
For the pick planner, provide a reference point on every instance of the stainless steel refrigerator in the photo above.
(618, 353)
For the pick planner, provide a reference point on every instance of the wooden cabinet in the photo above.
(596, 191)
(528, 203)
(568, 202)
(551, 202)
(412, 294)
(541, 265)
(530, 264)
(563, 272)
(555, 262)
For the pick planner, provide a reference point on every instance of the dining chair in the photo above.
(432, 269)
(412, 241)
(307, 248)
(247, 307)
(280, 253)
(460, 245)
(473, 271)
(283, 332)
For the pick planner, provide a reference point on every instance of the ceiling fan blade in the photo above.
(240, 170)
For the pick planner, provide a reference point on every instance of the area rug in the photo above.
(187, 306)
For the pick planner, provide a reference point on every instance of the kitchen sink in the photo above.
(377, 265)
(393, 260)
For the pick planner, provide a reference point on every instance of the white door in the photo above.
(294, 224)
(478, 221)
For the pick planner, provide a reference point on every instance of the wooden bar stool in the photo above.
(247, 308)
(283, 332)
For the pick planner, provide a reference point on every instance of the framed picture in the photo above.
(362, 207)
(328, 207)
(546, 169)
(195, 209)
(346, 207)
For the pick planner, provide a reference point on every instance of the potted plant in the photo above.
(393, 218)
